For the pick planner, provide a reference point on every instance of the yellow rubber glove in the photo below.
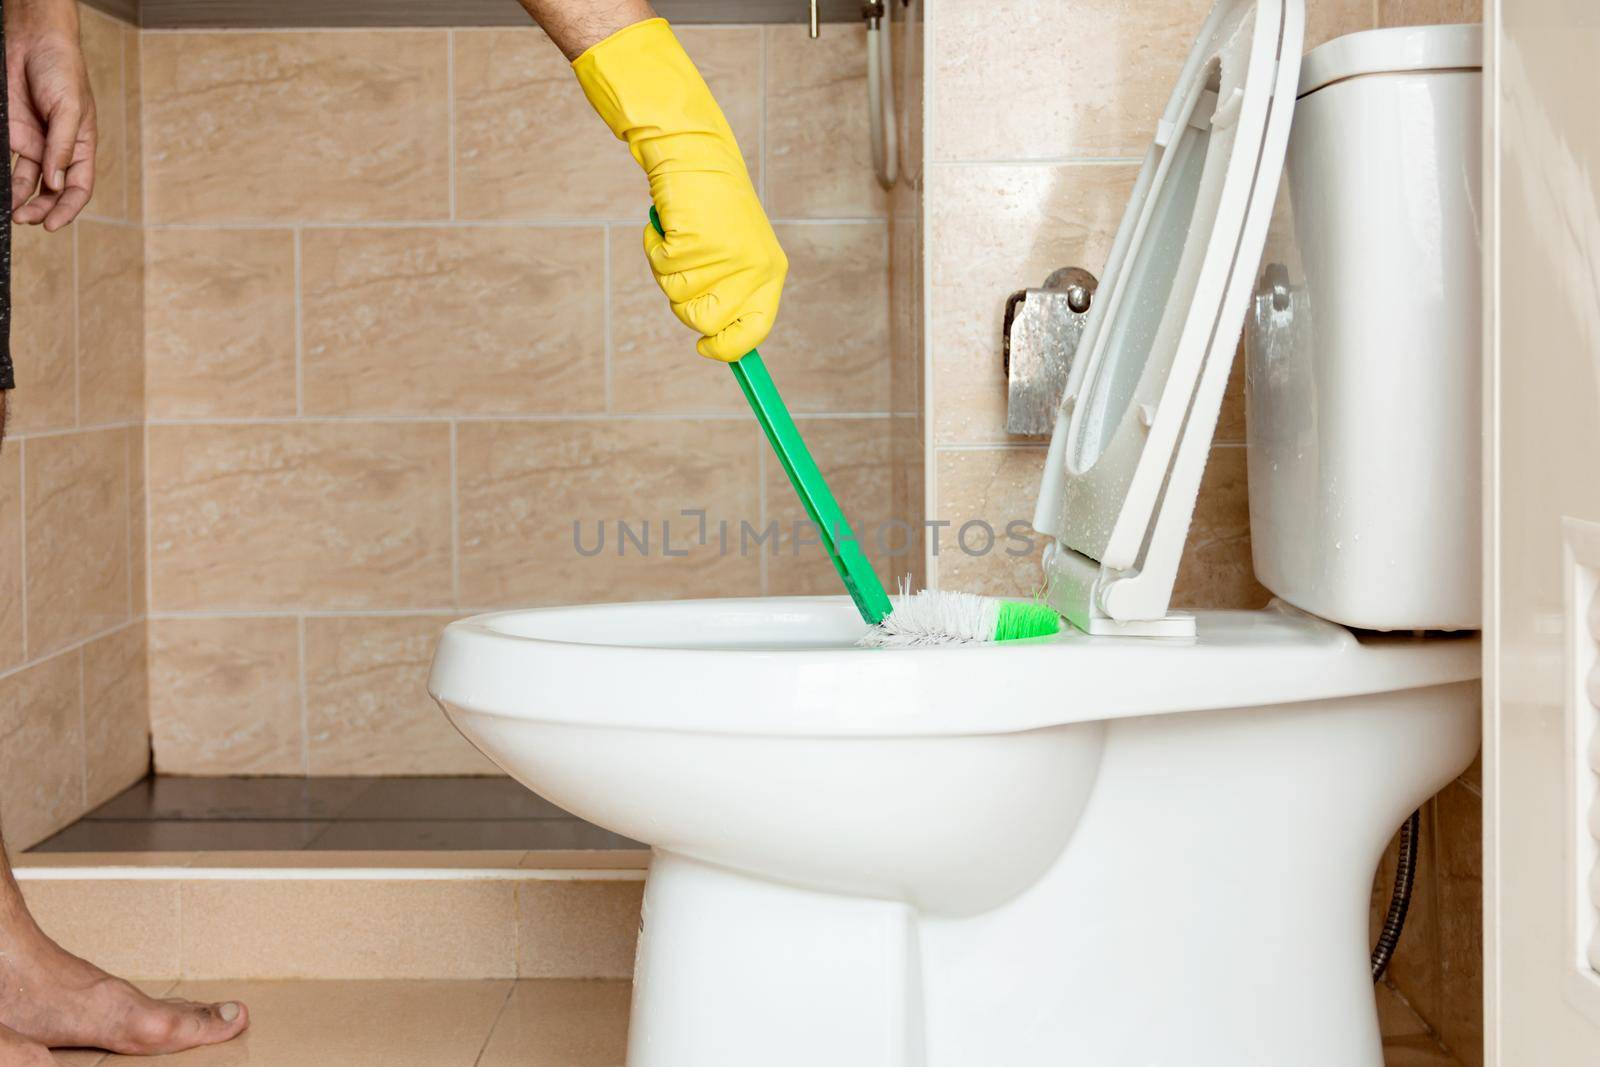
(719, 263)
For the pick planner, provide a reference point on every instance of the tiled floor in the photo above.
(493, 1024)
(261, 814)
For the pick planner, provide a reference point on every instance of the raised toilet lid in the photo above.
(1141, 404)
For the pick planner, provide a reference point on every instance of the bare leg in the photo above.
(49, 997)
(52, 997)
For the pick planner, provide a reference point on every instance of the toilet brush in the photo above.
(910, 620)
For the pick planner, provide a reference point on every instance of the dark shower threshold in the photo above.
(166, 814)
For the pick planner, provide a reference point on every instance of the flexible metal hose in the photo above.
(1405, 877)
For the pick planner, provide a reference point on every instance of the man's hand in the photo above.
(716, 259)
(52, 113)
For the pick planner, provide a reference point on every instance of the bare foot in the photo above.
(53, 997)
(19, 1051)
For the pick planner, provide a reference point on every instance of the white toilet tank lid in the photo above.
(1402, 49)
(1141, 403)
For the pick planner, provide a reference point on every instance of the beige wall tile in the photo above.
(819, 147)
(490, 320)
(12, 647)
(220, 323)
(522, 486)
(42, 330)
(1216, 570)
(237, 126)
(319, 514)
(1089, 83)
(1000, 486)
(225, 696)
(76, 535)
(1426, 12)
(128, 926)
(357, 1024)
(574, 1024)
(1327, 19)
(348, 929)
(103, 54)
(116, 713)
(577, 929)
(138, 524)
(1460, 880)
(367, 705)
(41, 763)
(654, 365)
(997, 486)
(856, 456)
(132, 61)
(110, 323)
(830, 346)
(994, 230)
(529, 146)
(829, 350)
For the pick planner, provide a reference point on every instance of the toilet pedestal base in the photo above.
(791, 977)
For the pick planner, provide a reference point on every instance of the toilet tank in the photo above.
(1363, 344)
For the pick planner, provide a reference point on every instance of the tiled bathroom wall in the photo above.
(1029, 171)
(72, 630)
(401, 338)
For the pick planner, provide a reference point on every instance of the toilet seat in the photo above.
(787, 666)
(1142, 399)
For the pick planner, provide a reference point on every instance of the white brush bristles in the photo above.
(931, 618)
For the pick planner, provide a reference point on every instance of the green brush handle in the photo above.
(821, 508)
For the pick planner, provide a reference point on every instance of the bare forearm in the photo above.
(575, 25)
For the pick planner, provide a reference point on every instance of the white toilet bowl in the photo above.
(1149, 841)
(1091, 850)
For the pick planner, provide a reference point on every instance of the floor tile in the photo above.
(450, 798)
(352, 1024)
(468, 834)
(196, 835)
(561, 1024)
(234, 798)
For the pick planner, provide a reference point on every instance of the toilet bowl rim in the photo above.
(1275, 656)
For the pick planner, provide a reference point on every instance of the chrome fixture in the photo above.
(1042, 329)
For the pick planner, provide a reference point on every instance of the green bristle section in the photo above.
(1021, 619)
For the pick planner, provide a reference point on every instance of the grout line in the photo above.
(511, 987)
(519, 26)
(319, 613)
(122, 76)
(149, 527)
(144, 186)
(305, 714)
(22, 530)
(761, 128)
(605, 236)
(68, 431)
(127, 513)
(71, 646)
(299, 329)
(77, 341)
(1045, 161)
(472, 224)
(591, 416)
(455, 522)
(450, 114)
(83, 731)
(107, 220)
